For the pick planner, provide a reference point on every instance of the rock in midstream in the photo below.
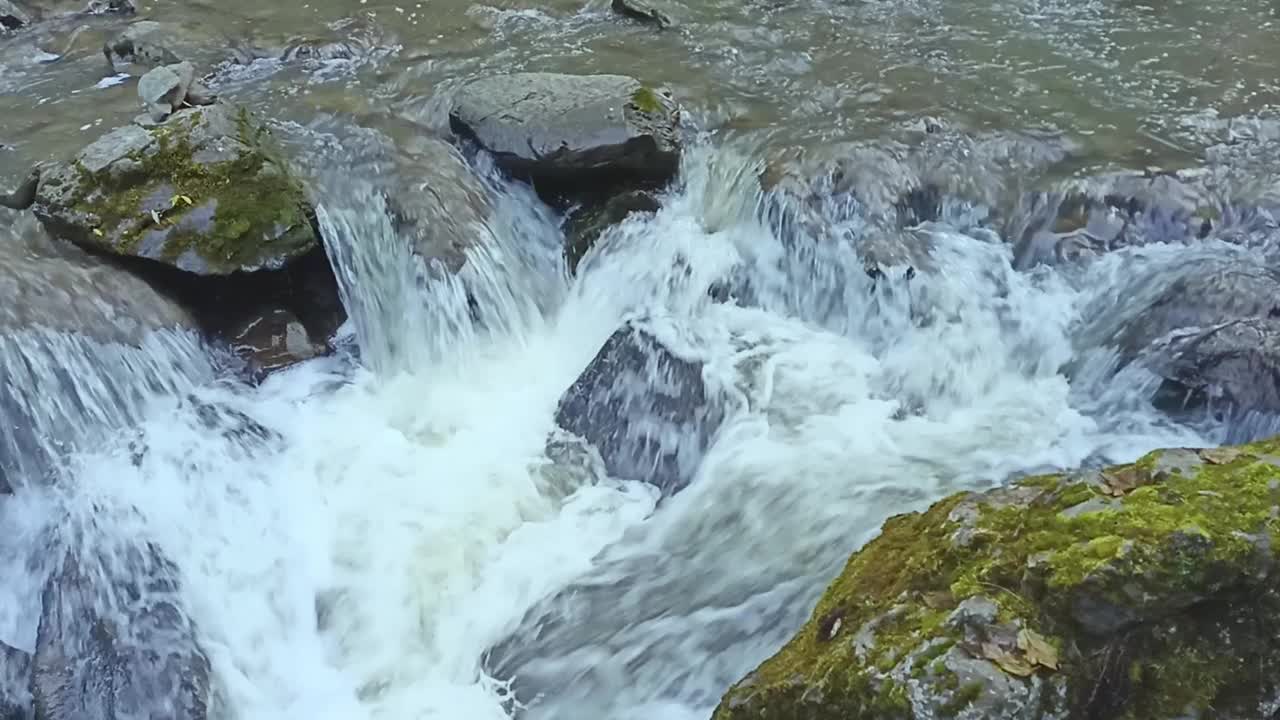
(648, 412)
(1096, 215)
(585, 225)
(1208, 291)
(143, 45)
(114, 642)
(13, 16)
(201, 192)
(15, 684)
(205, 209)
(166, 89)
(1230, 370)
(571, 132)
(642, 12)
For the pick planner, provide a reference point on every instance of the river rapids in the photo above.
(394, 530)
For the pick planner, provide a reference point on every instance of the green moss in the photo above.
(256, 198)
(963, 698)
(1173, 538)
(646, 100)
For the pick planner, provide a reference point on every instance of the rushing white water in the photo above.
(381, 534)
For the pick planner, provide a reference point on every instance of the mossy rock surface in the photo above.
(202, 192)
(1141, 592)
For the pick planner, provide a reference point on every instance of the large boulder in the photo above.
(114, 642)
(143, 45)
(81, 344)
(15, 684)
(1203, 292)
(1230, 370)
(576, 131)
(1142, 590)
(647, 411)
(201, 192)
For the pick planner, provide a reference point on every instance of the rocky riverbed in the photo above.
(550, 360)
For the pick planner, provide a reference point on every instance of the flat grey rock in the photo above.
(574, 130)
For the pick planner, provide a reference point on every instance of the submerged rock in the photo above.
(13, 16)
(647, 411)
(641, 11)
(24, 196)
(571, 131)
(1207, 293)
(114, 643)
(1230, 369)
(1145, 605)
(142, 44)
(1090, 217)
(201, 192)
(588, 223)
(15, 684)
(148, 44)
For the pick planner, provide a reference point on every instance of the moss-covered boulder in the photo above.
(1144, 591)
(201, 191)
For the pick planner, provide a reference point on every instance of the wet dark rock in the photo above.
(585, 225)
(1090, 217)
(647, 411)
(437, 201)
(114, 642)
(1228, 369)
(571, 132)
(276, 339)
(13, 16)
(202, 192)
(24, 196)
(642, 12)
(1208, 293)
(143, 45)
(15, 684)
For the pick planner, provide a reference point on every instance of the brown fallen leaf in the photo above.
(1220, 456)
(1010, 662)
(1121, 481)
(1037, 649)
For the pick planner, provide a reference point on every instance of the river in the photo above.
(382, 533)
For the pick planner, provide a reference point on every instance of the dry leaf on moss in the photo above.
(1037, 649)
(1121, 481)
(1010, 662)
(1220, 456)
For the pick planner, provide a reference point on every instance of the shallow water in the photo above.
(383, 534)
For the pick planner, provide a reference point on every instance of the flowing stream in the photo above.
(385, 533)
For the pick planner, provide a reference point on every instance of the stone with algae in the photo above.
(202, 192)
(1144, 591)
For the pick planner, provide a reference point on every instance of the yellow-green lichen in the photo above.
(260, 208)
(645, 99)
(1157, 539)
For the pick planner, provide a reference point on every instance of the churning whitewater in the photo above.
(400, 531)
